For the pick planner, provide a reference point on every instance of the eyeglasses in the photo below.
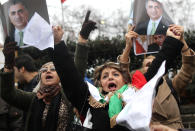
(44, 70)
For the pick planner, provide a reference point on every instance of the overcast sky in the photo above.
(105, 7)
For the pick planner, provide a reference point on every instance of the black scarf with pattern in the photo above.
(35, 121)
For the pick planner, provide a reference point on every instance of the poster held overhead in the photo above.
(37, 32)
(18, 13)
(151, 23)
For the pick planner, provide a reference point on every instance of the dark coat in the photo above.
(10, 117)
(141, 28)
(153, 47)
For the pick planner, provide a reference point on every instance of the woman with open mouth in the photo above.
(111, 81)
(108, 76)
(47, 107)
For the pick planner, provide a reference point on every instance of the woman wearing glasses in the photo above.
(47, 107)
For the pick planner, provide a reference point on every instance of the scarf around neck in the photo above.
(48, 92)
(115, 101)
(35, 121)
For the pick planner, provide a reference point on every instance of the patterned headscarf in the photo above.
(46, 92)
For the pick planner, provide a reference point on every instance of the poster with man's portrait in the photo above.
(16, 15)
(151, 23)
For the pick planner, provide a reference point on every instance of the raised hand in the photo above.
(175, 31)
(124, 57)
(87, 27)
(130, 35)
(58, 33)
(9, 53)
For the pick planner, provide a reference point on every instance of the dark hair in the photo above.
(99, 69)
(14, 2)
(159, 3)
(27, 62)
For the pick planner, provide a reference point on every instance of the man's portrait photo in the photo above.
(18, 13)
(153, 20)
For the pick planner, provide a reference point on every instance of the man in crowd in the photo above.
(26, 73)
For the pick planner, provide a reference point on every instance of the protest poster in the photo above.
(17, 13)
(151, 23)
(14, 18)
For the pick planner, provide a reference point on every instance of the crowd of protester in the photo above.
(56, 97)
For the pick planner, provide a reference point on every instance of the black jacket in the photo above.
(141, 28)
(10, 117)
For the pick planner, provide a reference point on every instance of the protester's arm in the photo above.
(170, 50)
(13, 96)
(186, 51)
(124, 59)
(10, 94)
(184, 76)
(73, 84)
(179, 30)
(81, 55)
(82, 48)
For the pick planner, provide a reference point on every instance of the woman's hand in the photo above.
(58, 33)
(87, 27)
(124, 57)
(129, 36)
(9, 53)
(175, 31)
(179, 31)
